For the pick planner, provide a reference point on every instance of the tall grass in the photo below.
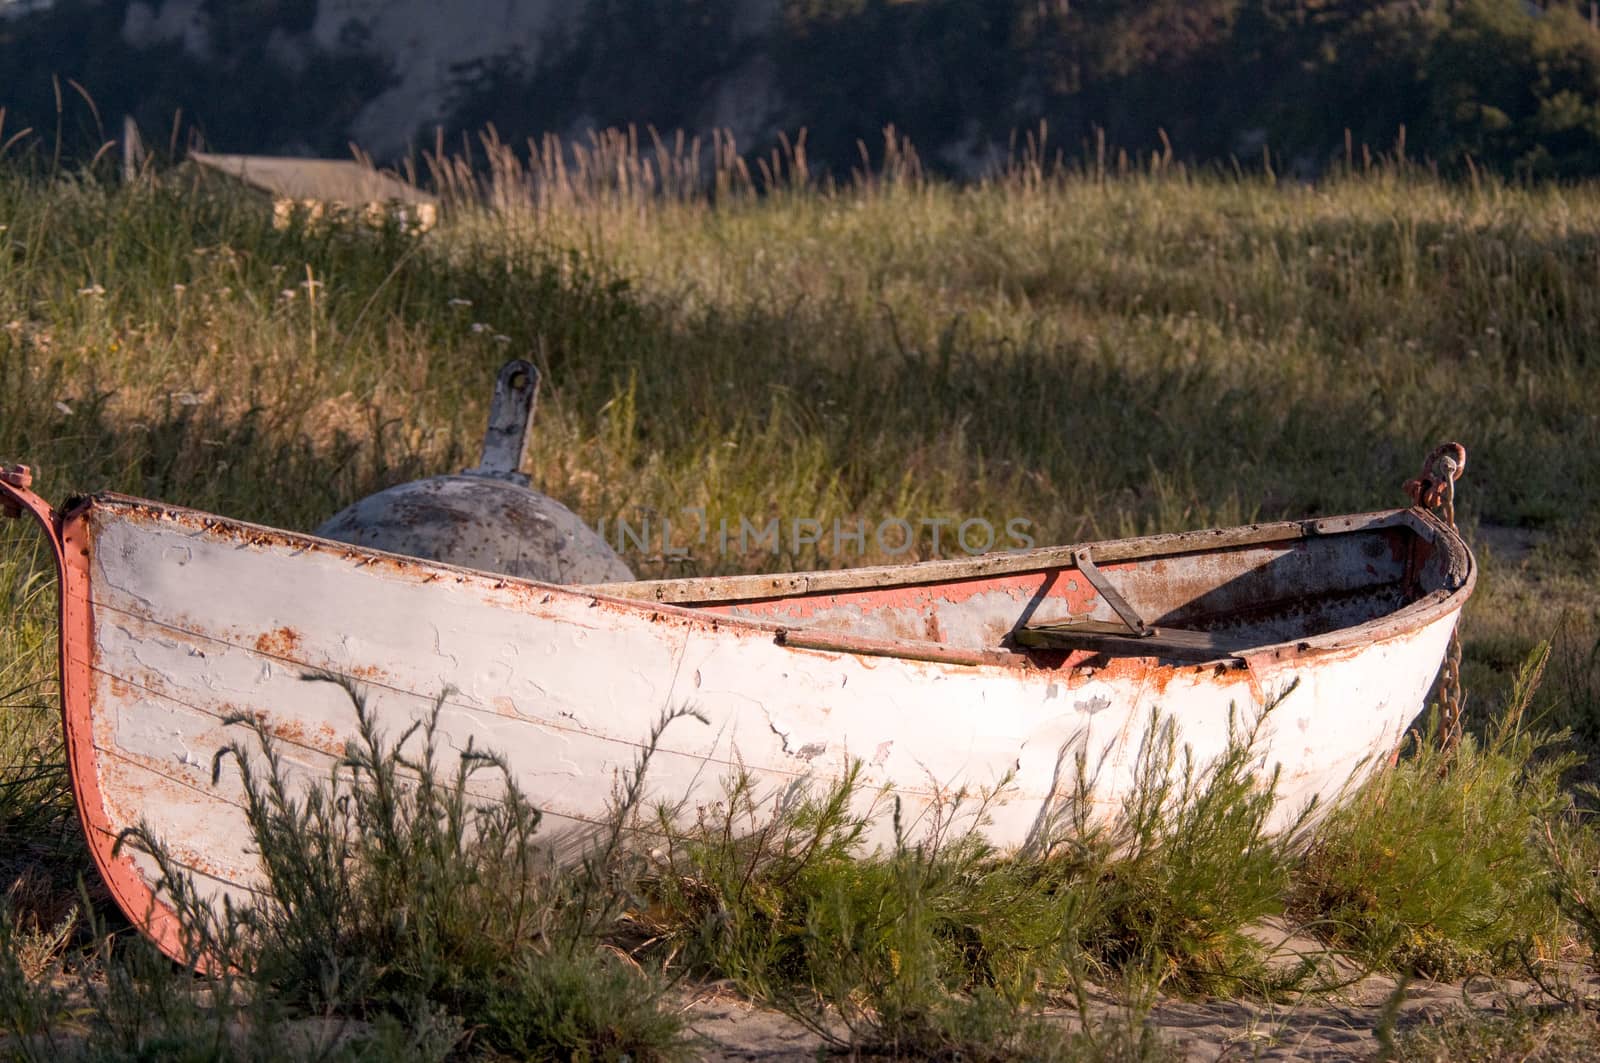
(41, 849)
(1049, 348)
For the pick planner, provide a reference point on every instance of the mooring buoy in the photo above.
(487, 517)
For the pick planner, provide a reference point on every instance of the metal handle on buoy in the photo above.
(516, 391)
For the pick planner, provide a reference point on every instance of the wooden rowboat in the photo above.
(964, 673)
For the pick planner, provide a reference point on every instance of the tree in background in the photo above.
(1518, 94)
(240, 96)
(640, 62)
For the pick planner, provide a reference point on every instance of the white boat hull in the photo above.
(173, 621)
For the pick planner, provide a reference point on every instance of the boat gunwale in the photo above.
(800, 637)
(721, 590)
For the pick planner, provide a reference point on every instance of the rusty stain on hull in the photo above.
(174, 620)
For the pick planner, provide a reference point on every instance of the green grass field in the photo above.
(1094, 356)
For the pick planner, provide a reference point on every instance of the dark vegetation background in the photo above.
(1511, 86)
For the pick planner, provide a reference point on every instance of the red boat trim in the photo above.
(75, 654)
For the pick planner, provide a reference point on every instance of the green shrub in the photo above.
(1436, 865)
(1195, 865)
(393, 894)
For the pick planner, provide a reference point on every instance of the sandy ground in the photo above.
(1338, 1025)
(1337, 1028)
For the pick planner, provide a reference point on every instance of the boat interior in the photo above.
(1194, 596)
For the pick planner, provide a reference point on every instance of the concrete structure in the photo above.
(323, 186)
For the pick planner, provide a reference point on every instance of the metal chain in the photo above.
(1435, 489)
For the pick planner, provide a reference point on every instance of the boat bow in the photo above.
(129, 887)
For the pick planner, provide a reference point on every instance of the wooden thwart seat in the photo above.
(1127, 636)
(1117, 640)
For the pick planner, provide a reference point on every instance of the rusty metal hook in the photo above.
(20, 477)
(1441, 469)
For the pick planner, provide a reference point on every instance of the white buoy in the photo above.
(487, 517)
